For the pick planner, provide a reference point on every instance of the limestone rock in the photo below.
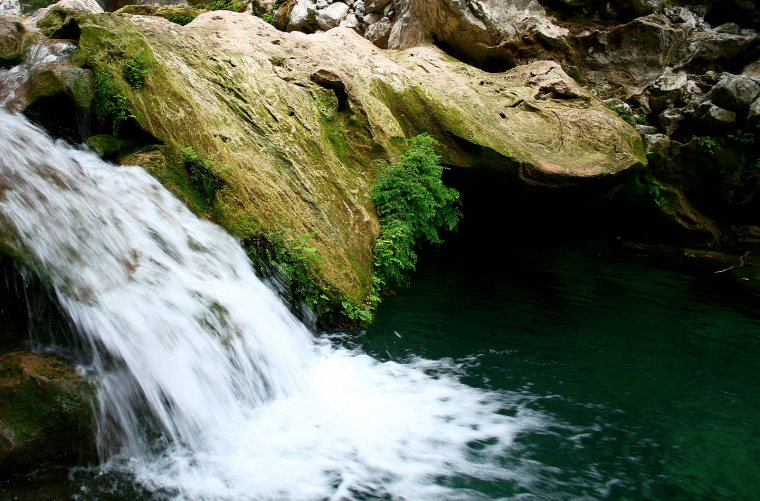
(73, 6)
(14, 39)
(735, 92)
(753, 117)
(710, 115)
(10, 8)
(302, 15)
(331, 16)
(301, 151)
(46, 414)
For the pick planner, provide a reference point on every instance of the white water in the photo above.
(247, 405)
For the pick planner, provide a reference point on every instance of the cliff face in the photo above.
(294, 124)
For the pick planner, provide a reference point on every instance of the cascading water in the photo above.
(208, 387)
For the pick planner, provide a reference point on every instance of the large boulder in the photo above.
(46, 414)
(298, 122)
(735, 92)
(14, 39)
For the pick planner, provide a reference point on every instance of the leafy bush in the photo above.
(413, 204)
(135, 71)
(233, 5)
(180, 19)
(203, 175)
(707, 144)
(109, 102)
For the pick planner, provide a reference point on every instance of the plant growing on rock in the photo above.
(414, 205)
(109, 102)
(135, 71)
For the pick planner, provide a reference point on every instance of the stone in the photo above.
(671, 119)
(14, 39)
(332, 16)
(302, 15)
(710, 115)
(379, 32)
(752, 70)
(46, 414)
(374, 6)
(350, 21)
(657, 143)
(10, 8)
(667, 89)
(303, 163)
(753, 117)
(69, 6)
(735, 92)
(645, 129)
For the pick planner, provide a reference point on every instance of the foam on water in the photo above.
(208, 387)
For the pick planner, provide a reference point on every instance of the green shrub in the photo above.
(413, 204)
(110, 104)
(135, 71)
(203, 175)
(233, 5)
(180, 19)
(707, 144)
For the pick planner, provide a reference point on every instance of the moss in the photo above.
(47, 408)
(108, 146)
(14, 39)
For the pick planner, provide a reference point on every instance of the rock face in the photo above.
(10, 8)
(46, 414)
(298, 123)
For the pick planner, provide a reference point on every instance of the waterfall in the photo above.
(208, 387)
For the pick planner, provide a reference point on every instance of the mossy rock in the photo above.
(60, 23)
(14, 39)
(46, 414)
(108, 146)
(138, 10)
(62, 79)
(179, 14)
(297, 156)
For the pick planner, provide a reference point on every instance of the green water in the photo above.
(648, 368)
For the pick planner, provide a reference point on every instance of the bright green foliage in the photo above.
(267, 17)
(657, 192)
(203, 175)
(135, 71)
(413, 204)
(180, 19)
(110, 104)
(296, 264)
(707, 144)
(233, 5)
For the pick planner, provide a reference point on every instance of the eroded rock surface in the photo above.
(299, 121)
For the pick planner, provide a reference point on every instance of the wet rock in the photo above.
(14, 38)
(735, 92)
(46, 414)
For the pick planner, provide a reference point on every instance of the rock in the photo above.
(710, 115)
(10, 8)
(64, 6)
(753, 117)
(107, 146)
(14, 39)
(46, 414)
(657, 143)
(375, 6)
(667, 89)
(645, 129)
(619, 106)
(752, 70)
(332, 16)
(350, 21)
(379, 33)
(303, 163)
(671, 119)
(302, 15)
(735, 92)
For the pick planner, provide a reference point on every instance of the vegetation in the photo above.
(414, 205)
(110, 104)
(233, 5)
(707, 144)
(657, 191)
(135, 71)
(180, 19)
(203, 175)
